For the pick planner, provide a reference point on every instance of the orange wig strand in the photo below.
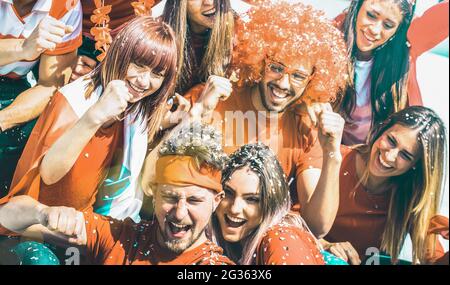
(288, 33)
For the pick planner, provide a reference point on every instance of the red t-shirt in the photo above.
(289, 135)
(285, 244)
(361, 217)
(112, 242)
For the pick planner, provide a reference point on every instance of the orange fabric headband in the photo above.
(183, 171)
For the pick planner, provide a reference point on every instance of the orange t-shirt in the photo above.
(287, 134)
(361, 217)
(78, 188)
(285, 244)
(112, 242)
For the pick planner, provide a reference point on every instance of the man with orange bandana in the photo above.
(188, 190)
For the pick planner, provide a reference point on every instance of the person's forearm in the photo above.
(26, 216)
(65, 151)
(26, 107)
(321, 208)
(20, 213)
(10, 51)
(54, 72)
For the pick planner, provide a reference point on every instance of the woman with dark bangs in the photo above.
(102, 21)
(204, 31)
(384, 42)
(88, 147)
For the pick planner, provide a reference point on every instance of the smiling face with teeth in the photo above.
(395, 152)
(283, 87)
(377, 22)
(142, 81)
(183, 214)
(201, 14)
(240, 213)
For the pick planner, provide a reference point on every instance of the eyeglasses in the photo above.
(296, 76)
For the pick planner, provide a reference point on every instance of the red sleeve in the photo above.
(339, 21)
(429, 29)
(439, 225)
(102, 235)
(49, 127)
(194, 93)
(288, 246)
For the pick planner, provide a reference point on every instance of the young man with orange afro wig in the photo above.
(285, 55)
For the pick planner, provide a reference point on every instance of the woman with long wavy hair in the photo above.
(89, 145)
(392, 187)
(384, 42)
(204, 30)
(254, 223)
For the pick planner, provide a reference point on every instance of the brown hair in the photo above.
(417, 193)
(390, 69)
(275, 202)
(219, 50)
(147, 42)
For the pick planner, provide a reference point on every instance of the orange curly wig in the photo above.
(289, 33)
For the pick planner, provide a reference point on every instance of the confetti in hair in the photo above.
(258, 157)
(288, 33)
(201, 141)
